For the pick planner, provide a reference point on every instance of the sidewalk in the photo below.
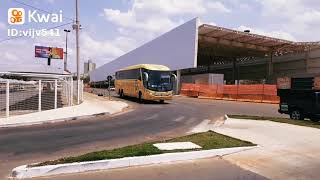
(92, 105)
(286, 151)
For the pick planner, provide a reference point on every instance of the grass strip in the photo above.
(207, 140)
(280, 120)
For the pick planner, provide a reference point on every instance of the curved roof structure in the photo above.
(235, 43)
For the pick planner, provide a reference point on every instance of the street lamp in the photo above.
(66, 53)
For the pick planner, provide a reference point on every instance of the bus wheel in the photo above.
(140, 97)
(162, 101)
(121, 93)
(296, 115)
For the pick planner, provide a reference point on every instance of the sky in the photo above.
(114, 27)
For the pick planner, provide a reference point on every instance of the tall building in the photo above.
(88, 67)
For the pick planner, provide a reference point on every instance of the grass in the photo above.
(207, 140)
(280, 120)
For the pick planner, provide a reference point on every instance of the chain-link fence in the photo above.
(22, 97)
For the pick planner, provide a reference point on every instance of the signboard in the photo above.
(284, 83)
(48, 52)
(316, 85)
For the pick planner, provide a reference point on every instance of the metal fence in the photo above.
(22, 97)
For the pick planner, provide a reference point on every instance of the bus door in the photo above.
(317, 102)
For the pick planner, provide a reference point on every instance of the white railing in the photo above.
(22, 97)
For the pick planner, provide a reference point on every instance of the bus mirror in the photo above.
(146, 76)
(174, 77)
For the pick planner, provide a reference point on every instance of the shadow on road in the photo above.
(136, 100)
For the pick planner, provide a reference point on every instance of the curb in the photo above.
(23, 171)
(54, 121)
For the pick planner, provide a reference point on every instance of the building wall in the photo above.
(292, 65)
(175, 49)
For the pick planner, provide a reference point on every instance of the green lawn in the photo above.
(280, 120)
(207, 140)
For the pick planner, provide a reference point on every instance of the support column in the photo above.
(178, 82)
(71, 92)
(39, 102)
(55, 94)
(234, 66)
(270, 68)
(7, 98)
(306, 60)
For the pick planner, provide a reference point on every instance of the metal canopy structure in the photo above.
(222, 46)
(231, 43)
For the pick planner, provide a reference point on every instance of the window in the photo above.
(128, 74)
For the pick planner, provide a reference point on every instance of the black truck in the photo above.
(300, 99)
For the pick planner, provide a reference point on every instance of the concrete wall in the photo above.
(176, 49)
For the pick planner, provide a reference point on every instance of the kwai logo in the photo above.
(17, 16)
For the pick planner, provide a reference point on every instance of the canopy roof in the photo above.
(225, 42)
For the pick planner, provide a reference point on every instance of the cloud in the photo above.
(299, 17)
(3, 26)
(50, 1)
(218, 7)
(130, 20)
(154, 16)
(98, 49)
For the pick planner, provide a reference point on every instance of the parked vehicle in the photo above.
(111, 88)
(299, 98)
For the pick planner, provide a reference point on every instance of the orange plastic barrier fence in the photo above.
(254, 93)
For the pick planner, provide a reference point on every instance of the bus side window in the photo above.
(318, 98)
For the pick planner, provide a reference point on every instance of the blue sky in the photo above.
(114, 27)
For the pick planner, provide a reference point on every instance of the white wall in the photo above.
(176, 49)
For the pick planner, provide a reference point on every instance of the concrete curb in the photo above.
(54, 121)
(26, 172)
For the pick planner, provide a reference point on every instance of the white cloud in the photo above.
(206, 22)
(130, 20)
(274, 33)
(299, 17)
(3, 26)
(218, 7)
(51, 1)
(155, 16)
(102, 51)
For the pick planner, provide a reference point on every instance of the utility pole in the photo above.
(77, 28)
(66, 53)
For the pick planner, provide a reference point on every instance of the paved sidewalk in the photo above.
(286, 152)
(92, 105)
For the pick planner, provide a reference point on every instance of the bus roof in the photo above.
(154, 67)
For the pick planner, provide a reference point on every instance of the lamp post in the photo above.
(66, 57)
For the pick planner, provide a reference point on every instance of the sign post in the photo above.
(109, 78)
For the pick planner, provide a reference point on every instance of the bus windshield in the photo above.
(158, 80)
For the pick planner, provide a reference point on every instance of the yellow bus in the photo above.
(145, 82)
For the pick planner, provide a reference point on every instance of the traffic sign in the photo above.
(109, 78)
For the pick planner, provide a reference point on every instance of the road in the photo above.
(144, 122)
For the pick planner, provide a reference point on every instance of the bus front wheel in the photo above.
(140, 97)
(121, 93)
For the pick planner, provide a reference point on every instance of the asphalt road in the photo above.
(144, 122)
